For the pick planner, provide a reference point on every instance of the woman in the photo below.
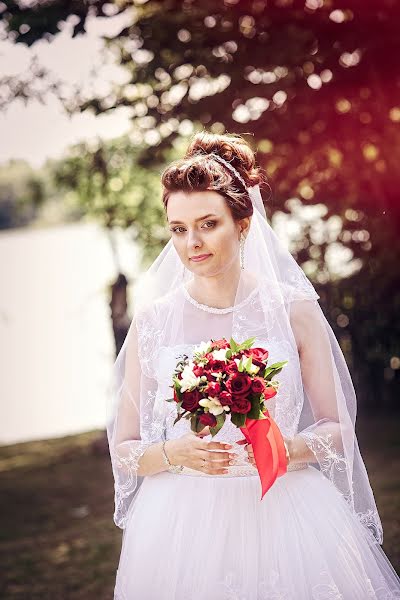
(195, 526)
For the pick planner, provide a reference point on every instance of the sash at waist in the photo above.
(238, 470)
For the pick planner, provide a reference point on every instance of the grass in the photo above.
(57, 537)
(58, 540)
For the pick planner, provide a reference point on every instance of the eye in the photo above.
(212, 224)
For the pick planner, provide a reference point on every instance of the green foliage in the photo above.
(238, 419)
(318, 89)
(220, 422)
(108, 185)
(22, 193)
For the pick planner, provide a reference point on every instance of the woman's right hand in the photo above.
(190, 450)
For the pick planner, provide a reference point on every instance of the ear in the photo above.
(244, 226)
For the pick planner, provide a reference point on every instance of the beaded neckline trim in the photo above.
(213, 309)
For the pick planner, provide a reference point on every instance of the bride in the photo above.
(195, 525)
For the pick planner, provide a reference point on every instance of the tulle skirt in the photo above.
(212, 538)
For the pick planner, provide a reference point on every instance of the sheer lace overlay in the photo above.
(306, 404)
(274, 303)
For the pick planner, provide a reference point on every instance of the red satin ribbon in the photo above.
(268, 448)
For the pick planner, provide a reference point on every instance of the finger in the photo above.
(215, 458)
(217, 446)
(213, 467)
(240, 442)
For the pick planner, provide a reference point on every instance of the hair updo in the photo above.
(198, 171)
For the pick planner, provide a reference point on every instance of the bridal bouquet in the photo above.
(227, 377)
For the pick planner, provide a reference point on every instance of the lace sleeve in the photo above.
(329, 411)
(134, 392)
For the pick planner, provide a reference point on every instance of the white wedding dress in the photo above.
(194, 536)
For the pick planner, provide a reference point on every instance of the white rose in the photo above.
(189, 379)
(203, 347)
(213, 405)
(220, 354)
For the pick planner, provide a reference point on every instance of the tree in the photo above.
(317, 84)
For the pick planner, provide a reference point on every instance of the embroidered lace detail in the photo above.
(322, 444)
(122, 490)
(331, 462)
(372, 523)
(334, 466)
(273, 588)
(213, 309)
(327, 589)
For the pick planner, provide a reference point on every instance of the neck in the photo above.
(219, 290)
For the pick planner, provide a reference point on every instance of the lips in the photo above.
(199, 257)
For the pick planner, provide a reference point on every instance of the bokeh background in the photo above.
(95, 99)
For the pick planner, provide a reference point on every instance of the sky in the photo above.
(36, 131)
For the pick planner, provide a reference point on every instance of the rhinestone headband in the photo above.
(230, 167)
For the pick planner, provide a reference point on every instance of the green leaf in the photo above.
(195, 424)
(255, 409)
(220, 421)
(247, 344)
(248, 363)
(274, 370)
(278, 365)
(238, 419)
(234, 346)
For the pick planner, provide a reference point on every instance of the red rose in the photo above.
(269, 392)
(198, 370)
(259, 356)
(231, 367)
(213, 389)
(208, 419)
(216, 365)
(241, 405)
(191, 400)
(176, 396)
(220, 344)
(238, 383)
(208, 374)
(258, 385)
(225, 398)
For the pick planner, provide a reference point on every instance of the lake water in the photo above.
(57, 346)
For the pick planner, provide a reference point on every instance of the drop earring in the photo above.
(242, 239)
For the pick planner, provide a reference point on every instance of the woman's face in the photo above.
(202, 224)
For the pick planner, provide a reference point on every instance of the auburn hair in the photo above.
(198, 170)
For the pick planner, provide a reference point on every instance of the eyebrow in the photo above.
(199, 219)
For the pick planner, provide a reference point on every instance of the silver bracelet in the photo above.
(171, 468)
(288, 457)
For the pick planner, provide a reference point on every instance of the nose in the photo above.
(193, 240)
